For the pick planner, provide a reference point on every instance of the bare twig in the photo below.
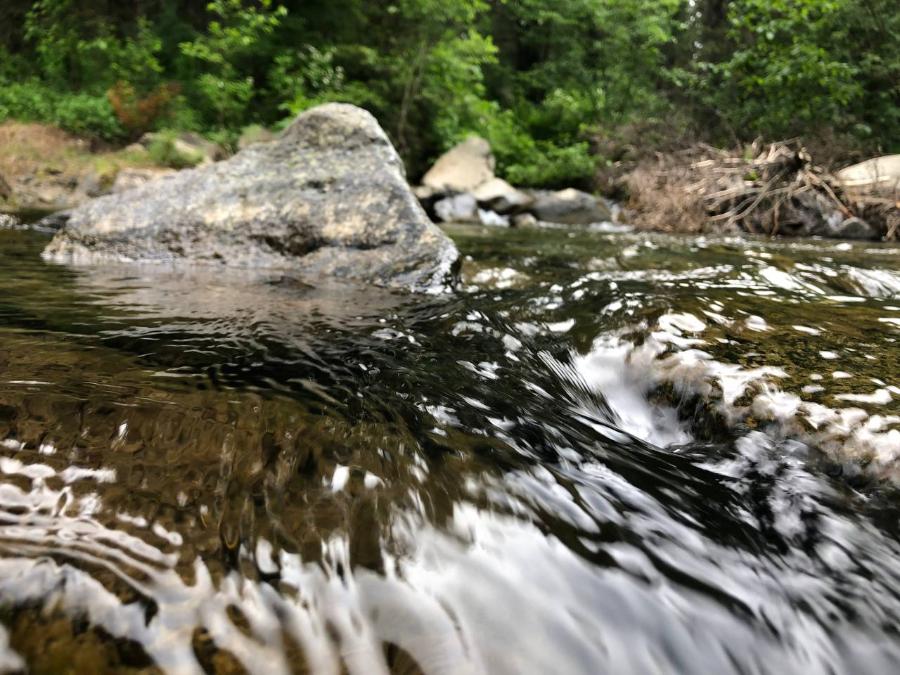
(754, 188)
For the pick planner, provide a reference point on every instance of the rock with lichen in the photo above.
(327, 198)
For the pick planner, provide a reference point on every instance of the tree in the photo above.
(233, 38)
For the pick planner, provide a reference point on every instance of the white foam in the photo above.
(10, 661)
(626, 373)
(787, 282)
(561, 326)
(756, 323)
(878, 397)
(878, 283)
(622, 374)
(339, 478)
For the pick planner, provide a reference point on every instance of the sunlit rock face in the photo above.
(328, 198)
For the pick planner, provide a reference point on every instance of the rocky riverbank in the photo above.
(327, 198)
(461, 187)
(774, 190)
(771, 190)
(43, 169)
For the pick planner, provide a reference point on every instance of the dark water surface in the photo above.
(606, 453)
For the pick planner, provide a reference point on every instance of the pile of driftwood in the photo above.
(766, 189)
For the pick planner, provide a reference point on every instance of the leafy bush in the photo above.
(305, 78)
(783, 75)
(225, 87)
(182, 115)
(92, 54)
(87, 115)
(81, 114)
(538, 78)
(554, 166)
(166, 150)
(137, 114)
(27, 101)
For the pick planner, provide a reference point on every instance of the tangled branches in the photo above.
(770, 190)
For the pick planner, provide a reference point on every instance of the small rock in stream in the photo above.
(8, 222)
(460, 208)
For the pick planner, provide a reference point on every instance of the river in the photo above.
(605, 452)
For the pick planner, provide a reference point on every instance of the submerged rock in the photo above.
(463, 168)
(328, 197)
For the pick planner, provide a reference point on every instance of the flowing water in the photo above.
(606, 452)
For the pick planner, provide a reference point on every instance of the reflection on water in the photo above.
(608, 452)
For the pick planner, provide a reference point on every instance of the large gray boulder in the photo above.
(570, 207)
(328, 197)
(128, 179)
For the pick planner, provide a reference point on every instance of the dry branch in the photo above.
(768, 189)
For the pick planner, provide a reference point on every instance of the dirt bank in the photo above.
(44, 169)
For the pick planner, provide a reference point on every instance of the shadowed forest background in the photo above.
(560, 88)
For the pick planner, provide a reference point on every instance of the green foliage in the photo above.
(12, 66)
(783, 73)
(237, 32)
(28, 101)
(307, 77)
(804, 67)
(87, 115)
(90, 54)
(165, 150)
(548, 82)
(605, 52)
(135, 60)
(453, 87)
(79, 113)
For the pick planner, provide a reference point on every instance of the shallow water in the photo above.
(604, 453)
